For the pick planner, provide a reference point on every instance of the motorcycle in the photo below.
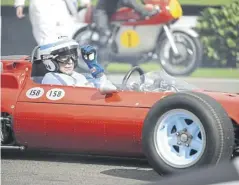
(177, 50)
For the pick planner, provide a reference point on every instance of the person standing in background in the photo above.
(50, 19)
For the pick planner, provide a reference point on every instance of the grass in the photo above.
(205, 2)
(10, 2)
(199, 73)
(183, 2)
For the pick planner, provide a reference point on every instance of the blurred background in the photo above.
(216, 22)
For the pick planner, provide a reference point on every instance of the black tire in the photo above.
(216, 122)
(195, 63)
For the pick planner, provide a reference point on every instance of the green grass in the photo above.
(10, 2)
(200, 72)
(205, 2)
(192, 2)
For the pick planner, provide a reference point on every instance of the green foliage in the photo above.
(219, 33)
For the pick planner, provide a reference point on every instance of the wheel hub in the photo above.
(181, 57)
(184, 138)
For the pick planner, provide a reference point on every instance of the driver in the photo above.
(61, 58)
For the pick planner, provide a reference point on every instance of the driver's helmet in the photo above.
(59, 52)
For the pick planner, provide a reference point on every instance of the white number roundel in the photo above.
(55, 94)
(35, 92)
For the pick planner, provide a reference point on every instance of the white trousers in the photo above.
(50, 19)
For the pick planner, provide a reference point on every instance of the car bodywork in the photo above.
(107, 123)
(127, 123)
(84, 119)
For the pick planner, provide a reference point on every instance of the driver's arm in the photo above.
(138, 7)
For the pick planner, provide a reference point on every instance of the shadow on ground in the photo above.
(73, 158)
(136, 173)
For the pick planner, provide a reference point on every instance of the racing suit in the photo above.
(79, 80)
(49, 19)
(76, 79)
(106, 8)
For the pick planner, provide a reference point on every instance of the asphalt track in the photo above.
(44, 169)
(54, 169)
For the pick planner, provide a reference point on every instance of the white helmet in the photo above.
(60, 51)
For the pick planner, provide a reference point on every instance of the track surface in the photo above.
(26, 169)
(58, 169)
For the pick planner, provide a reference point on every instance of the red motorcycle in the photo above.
(178, 50)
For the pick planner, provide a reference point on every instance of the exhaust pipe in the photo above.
(4, 119)
(13, 147)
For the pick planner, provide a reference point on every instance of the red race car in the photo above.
(174, 125)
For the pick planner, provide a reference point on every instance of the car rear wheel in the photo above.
(186, 130)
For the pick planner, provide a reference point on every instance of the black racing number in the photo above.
(55, 93)
(35, 92)
(129, 39)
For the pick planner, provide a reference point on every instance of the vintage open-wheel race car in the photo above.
(175, 125)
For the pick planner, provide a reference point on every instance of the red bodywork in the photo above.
(125, 14)
(83, 120)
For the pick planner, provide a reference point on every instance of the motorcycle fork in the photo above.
(114, 30)
(171, 39)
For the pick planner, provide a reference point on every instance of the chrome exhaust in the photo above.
(4, 119)
(13, 147)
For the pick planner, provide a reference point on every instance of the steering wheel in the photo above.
(129, 73)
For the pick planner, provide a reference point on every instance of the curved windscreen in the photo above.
(157, 81)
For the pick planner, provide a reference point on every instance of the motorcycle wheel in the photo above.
(190, 54)
(82, 36)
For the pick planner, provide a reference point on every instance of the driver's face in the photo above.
(67, 67)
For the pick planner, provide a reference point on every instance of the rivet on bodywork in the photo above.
(27, 69)
(137, 104)
(12, 107)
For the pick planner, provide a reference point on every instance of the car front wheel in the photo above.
(186, 130)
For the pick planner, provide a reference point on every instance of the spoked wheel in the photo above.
(189, 58)
(82, 36)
